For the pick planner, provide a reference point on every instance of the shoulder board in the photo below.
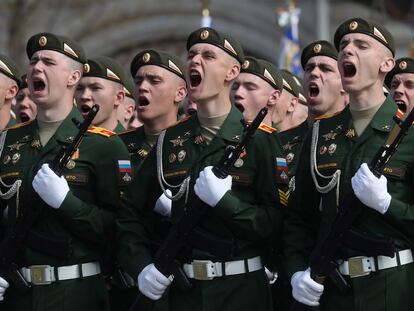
(266, 128)
(180, 121)
(101, 131)
(399, 113)
(327, 116)
(19, 125)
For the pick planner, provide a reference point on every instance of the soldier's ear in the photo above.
(12, 91)
(273, 98)
(292, 104)
(180, 93)
(387, 65)
(74, 77)
(120, 96)
(233, 72)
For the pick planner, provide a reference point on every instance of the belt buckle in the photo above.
(200, 270)
(38, 274)
(356, 267)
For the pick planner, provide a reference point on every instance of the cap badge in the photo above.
(246, 64)
(204, 34)
(353, 25)
(86, 68)
(403, 65)
(146, 57)
(42, 41)
(317, 48)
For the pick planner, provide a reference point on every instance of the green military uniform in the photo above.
(291, 140)
(137, 145)
(119, 128)
(85, 218)
(250, 213)
(338, 148)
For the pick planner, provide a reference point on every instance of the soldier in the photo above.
(330, 168)
(301, 112)
(9, 86)
(160, 87)
(322, 81)
(258, 85)
(189, 107)
(401, 83)
(25, 107)
(126, 109)
(61, 258)
(103, 84)
(244, 210)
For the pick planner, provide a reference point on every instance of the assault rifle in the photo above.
(17, 233)
(180, 235)
(322, 260)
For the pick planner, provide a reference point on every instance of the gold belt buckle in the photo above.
(200, 270)
(38, 274)
(356, 267)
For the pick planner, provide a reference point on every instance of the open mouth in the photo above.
(24, 117)
(143, 101)
(191, 111)
(401, 105)
(349, 70)
(38, 85)
(195, 78)
(313, 90)
(85, 109)
(239, 106)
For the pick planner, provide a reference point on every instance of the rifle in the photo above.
(17, 233)
(179, 237)
(322, 260)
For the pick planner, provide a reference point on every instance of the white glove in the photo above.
(51, 188)
(152, 283)
(3, 286)
(163, 204)
(370, 190)
(304, 289)
(209, 188)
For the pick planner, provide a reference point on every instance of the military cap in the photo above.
(318, 48)
(9, 68)
(219, 39)
(402, 65)
(158, 58)
(372, 29)
(263, 69)
(105, 68)
(23, 83)
(290, 83)
(129, 86)
(58, 43)
(299, 82)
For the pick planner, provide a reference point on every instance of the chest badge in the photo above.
(172, 157)
(35, 144)
(176, 142)
(142, 153)
(16, 146)
(332, 149)
(287, 146)
(71, 164)
(181, 155)
(350, 133)
(15, 158)
(289, 157)
(238, 163)
(330, 136)
(6, 159)
(323, 149)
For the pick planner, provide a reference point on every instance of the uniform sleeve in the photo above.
(259, 216)
(136, 220)
(302, 216)
(93, 219)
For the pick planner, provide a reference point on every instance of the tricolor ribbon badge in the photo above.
(124, 166)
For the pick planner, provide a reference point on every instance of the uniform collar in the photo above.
(68, 130)
(383, 119)
(232, 126)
